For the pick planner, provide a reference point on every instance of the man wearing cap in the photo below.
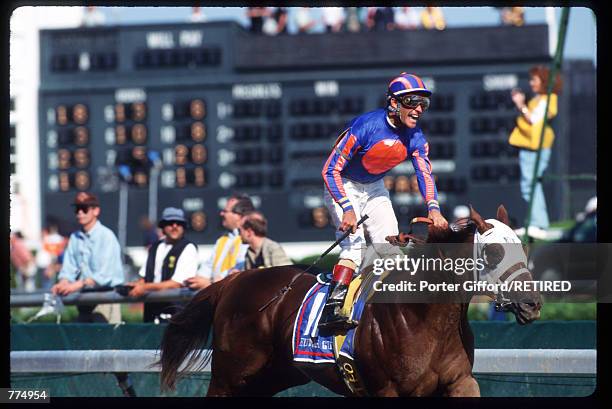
(170, 262)
(228, 255)
(92, 259)
(372, 145)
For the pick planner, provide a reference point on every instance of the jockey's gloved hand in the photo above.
(399, 240)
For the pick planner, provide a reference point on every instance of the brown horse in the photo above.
(401, 349)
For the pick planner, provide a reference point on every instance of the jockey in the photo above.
(371, 146)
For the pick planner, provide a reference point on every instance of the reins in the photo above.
(288, 287)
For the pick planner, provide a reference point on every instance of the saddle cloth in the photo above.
(308, 345)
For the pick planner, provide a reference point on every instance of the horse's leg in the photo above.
(464, 387)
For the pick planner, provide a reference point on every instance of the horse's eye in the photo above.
(493, 254)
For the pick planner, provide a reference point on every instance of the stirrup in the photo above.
(338, 323)
(334, 320)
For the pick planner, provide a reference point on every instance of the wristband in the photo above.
(433, 205)
(345, 204)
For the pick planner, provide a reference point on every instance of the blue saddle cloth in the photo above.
(308, 345)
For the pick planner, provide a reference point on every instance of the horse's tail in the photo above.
(187, 331)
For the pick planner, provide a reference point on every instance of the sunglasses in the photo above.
(81, 208)
(413, 101)
(172, 223)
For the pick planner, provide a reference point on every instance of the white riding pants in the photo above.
(371, 199)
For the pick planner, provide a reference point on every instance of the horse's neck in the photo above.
(454, 311)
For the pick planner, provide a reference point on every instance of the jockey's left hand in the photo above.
(438, 219)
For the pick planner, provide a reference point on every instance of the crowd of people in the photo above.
(275, 20)
(91, 257)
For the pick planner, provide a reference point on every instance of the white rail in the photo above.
(512, 361)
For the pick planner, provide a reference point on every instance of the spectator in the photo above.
(256, 15)
(526, 137)
(370, 22)
(228, 254)
(352, 19)
(432, 17)
(196, 15)
(170, 261)
(512, 16)
(333, 18)
(93, 17)
(92, 258)
(23, 262)
(262, 251)
(320, 217)
(149, 232)
(304, 20)
(380, 18)
(47, 258)
(406, 18)
(280, 17)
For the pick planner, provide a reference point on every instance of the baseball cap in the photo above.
(172, 214)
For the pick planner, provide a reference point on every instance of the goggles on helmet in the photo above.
(412, 101)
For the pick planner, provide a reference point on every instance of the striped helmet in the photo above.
(405, 83)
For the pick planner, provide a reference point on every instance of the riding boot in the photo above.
(332, 319)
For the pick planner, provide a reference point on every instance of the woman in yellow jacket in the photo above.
(526, 137)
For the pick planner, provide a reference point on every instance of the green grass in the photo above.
(563, 224)
(550, 311)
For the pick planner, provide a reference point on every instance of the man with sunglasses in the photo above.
(170, 262)
(372, 145)
(92, 259)
(228, 254)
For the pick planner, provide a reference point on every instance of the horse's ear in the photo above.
(481, 225)
(502, 215)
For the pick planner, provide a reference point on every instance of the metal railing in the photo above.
(104, 297)
(507, 361)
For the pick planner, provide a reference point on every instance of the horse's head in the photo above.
(505, 261)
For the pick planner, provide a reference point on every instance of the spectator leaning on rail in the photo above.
(526, 137)
(262, 251)
(170, 261)
(228, 254)
(92, 258)
(372, 145)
